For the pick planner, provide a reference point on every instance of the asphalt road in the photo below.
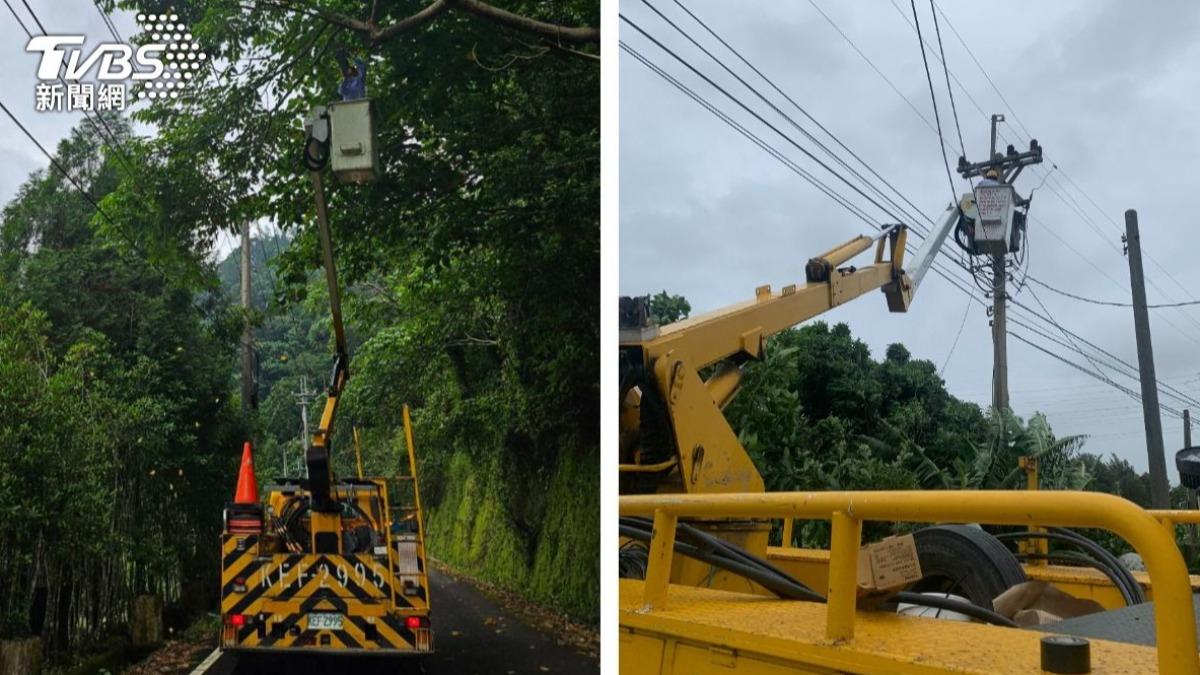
(472, 636)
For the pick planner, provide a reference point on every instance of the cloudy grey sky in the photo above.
(1107, 88)
(18, 155)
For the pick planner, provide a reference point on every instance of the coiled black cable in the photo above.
(1121, 577)
(316, 154)
(726, 556)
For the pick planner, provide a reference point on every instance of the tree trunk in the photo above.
(145, 621)
(21, 657)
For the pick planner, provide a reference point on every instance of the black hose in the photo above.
(783, 584)
(954, 605)
(1129, 588)
(1135, 588)
(634, 559)
(1073, 558)
(716, 542)
(316, 154)
(1077, 558)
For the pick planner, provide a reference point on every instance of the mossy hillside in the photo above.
(469, 530)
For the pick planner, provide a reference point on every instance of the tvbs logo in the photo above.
(113, 61)
(159, 67)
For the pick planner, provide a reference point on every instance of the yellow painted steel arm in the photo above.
(742, 328)
(1175, 624)
(684, 417)
(317, 456)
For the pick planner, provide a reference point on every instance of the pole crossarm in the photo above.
(1175, 625)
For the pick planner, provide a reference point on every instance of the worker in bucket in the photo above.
(992, 177)
(354, 77)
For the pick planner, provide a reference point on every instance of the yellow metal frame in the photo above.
(708, 454)
(1174, 619)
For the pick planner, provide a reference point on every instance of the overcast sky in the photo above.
(1107, 88)
(18, 155)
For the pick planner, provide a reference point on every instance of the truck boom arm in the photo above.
(317, 456)
(672, 424)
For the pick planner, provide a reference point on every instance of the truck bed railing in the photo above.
(1175, 624)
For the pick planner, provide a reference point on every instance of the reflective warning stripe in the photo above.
(297, 585)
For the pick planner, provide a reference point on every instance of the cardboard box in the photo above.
(888, 565)
(1054, 604)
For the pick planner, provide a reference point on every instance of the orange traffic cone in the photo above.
(247, 486)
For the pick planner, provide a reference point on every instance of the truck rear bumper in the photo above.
(386, 634)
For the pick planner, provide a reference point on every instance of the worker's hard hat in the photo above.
(993, 174)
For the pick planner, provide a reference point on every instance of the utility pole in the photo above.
(999, 335)
(303, 397)
(1193, 531)
(999, 314)
(995, 229)
(1159, 493)
(249, 396)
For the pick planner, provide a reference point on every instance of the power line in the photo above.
(869, 185)
(845, 203)
(122, 155)
(874, 67)
(67, 174)
(802, 110)
(961, 325)
(1109, 302)
(755, 114)
(698, 99)
(946, 69)
(18, 18)
(108, 22)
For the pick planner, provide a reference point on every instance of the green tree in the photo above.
(115, 413)
(665, 308)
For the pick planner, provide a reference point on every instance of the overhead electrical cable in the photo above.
(837, 158)
(849, 206)
(697, 98)
(1108, 303)
(933, 97)
(800, 108)
(945, 68)
(754, 113)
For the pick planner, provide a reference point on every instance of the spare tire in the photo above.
(965, 561)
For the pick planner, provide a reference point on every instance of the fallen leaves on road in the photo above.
(175, 657)
(576, 636)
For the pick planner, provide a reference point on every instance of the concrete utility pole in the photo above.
(249, 396)
(999, 335)
(1159, 492)
(999, 170)
(999, 314)
(303, 397)
(1193, 531)
(1187, 428)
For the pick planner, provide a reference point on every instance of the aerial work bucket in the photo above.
(354, 150)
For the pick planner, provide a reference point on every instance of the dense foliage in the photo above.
(115, 416)
(471, 275)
